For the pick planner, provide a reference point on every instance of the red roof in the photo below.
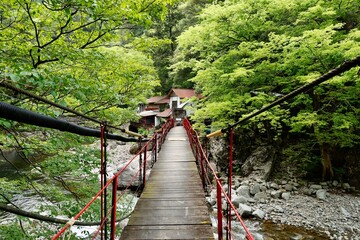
(155, 99)
(184, 93)
(164, 100)
(165, 113)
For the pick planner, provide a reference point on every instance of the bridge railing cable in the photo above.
(208, 173)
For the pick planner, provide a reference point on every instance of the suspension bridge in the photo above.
(172, 204)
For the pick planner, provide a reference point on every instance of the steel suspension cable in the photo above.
(14, 113)
(332, 73)
(44, 100)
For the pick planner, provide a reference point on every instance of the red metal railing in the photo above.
(204, 169)
(155, 144)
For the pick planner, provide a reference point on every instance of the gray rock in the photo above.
(245, 182)
(261, 159)
(260, 196)
(211, 201)
(275, 194)
(135, 148)
(346, 186)
(279, 209)
(345, 212)
(255, 189)
(321, 194)
(244, 210)
(289, 187)
(307, 191)
(295, 184)
(259, 214)
(285, 195)
(239, 199)
(335, 183)
(257, 236)
(128, 174)
(243, 191)
(316, 187)
(263, 187)
(296, 237)
(274, 186)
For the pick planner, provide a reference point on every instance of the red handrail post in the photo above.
(231, 142)
(144, 170)
(219, 209)
(196, 151)
(113, 212)
(102, 174)
(140, 168)
(155, 147)
(202, 160)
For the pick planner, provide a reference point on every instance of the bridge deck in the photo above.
(172, 205)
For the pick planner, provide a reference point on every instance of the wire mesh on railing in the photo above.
(205, 169)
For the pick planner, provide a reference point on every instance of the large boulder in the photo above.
(259, 214)
(243, 191)
(219, 152)
(321, 194)
(261, 160)
(127, 177)
(244, 210)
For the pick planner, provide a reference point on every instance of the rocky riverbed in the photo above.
(330, 208)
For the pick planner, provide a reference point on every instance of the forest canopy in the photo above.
(243, 54)
(75, 52)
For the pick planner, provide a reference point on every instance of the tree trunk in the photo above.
(325, 149)
(327, 170)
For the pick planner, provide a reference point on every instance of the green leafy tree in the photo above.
(244, 54)
(78, 53)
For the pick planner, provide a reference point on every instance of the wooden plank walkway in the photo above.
(172, 205)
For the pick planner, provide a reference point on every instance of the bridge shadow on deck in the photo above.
(172, 205)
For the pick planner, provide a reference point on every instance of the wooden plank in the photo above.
(169, 203)
(168, 220)
(172, 205)
(168, 232)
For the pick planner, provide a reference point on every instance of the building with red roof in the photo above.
(164, 107)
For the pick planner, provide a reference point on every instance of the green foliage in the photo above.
(244, 54)
(302, 159)
(83, 54)
(77, 54)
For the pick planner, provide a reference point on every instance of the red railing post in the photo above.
(219, 209)
(102, 177)
(113, 212)
(140, 168)
(231, 142)
(155, 147)
(144, 170)
(202, 160)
